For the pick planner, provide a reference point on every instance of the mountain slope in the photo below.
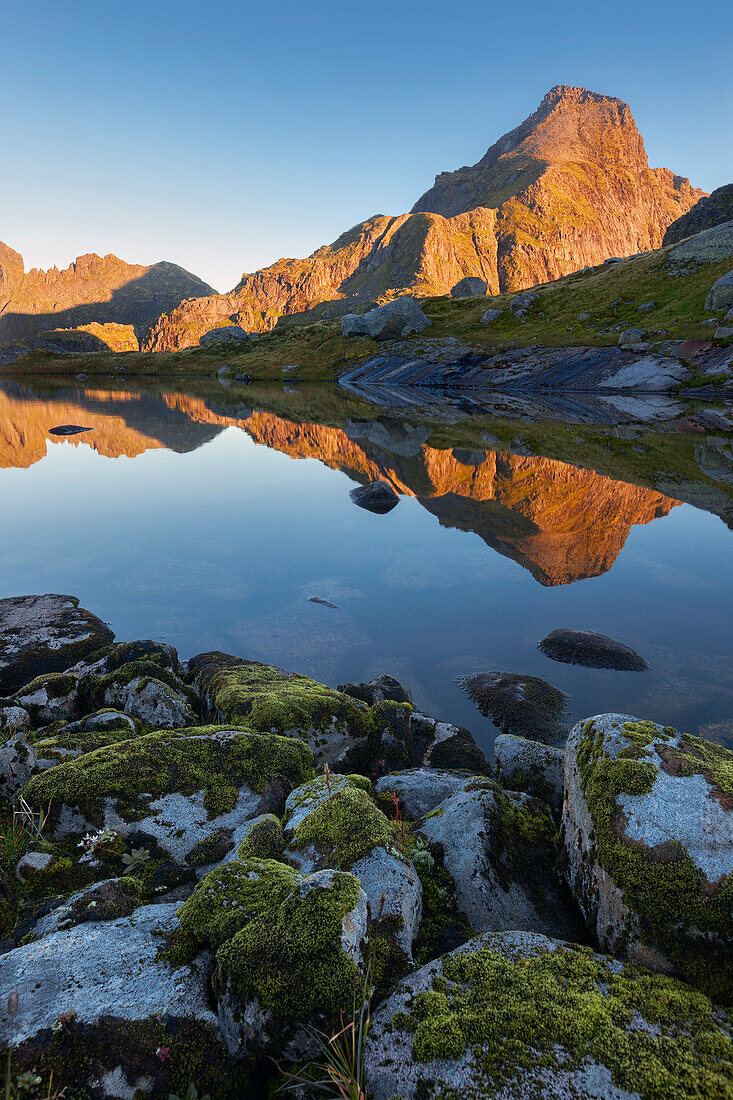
(569, 187)
(101, 289)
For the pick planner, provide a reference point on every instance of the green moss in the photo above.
(264, 839)
(560, 1008)
(57, 685)
(165, 762)
(291, 959)
(665, 890)
(346, 825)
(233, 894)
(442, 926)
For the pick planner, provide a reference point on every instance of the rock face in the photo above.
(41, 634)
(648, 821)
(709, 211)
(518, 1015)
(569, 187)
(585, 647)
(93, 289)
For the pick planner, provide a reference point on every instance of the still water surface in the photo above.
(174, 520)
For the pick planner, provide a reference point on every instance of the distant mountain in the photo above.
(92, 290)
(709, 211)
(569, 187)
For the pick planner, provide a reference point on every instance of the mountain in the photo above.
(92, 290)
(569, 187)
(709, 211)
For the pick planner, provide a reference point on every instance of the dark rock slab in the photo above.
(41, 634)
(68, 429)
(585, 647)
(522, 705)
(377, 497)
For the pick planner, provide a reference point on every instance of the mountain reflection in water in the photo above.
(211, 542)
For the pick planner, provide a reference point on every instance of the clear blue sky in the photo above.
(222, 136)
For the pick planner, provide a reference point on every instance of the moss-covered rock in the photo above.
(262, 838)
(51, 697)
(516, 1014)
(233, 894)
(293, 965)
(332, 822)
(648, 820)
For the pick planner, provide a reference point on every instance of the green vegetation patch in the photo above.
(346, 825)
(664, 888)
(291, 959)
(233, 894)
(168, 762)
(560, 1009)
(263, 840)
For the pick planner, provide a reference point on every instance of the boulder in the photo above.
(523, 302)
(723, 332)
(17, 761)
(229, 334)
(149, 700)
(420, 790)
(499, 849)
(41, 634)
(585, 647)
(97, 1004)
(68, 429)
(470, 287)
(647, 307)
(14, 720)
(530, 766)
(32, 862)
(518, 1015)
(402, 317)
(353, 324)
(437, 744)
(293, 965)
(378, 497)
(114, 657)
(101, 901)
(51, 697)
(524, 705)
(648, 825)
(491, 315)
(380, 688)
(632, 336)
(171, 789)
(711, 246)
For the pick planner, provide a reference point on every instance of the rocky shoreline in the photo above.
(203, 864)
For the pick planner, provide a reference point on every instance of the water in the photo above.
(185, 517)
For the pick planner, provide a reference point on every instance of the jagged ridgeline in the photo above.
(569, 187)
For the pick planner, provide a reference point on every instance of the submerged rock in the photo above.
(585, 647)
(648, 823)
(377, 497)
(42, 634)
(519, 1015)
(523, 705)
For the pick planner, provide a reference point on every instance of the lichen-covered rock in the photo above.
(420, 790)
(228, 334)
(100, 901)
(294, 965)
(353, 324)
(524, 705)
(443, 745)
(41, 634)
(14, 720)
(49, 698)
(336, 727)
(99, 1007)
(32, 862)
(150, 700)
(394, 893)
(530, 766)
(499, 849)
(586, 647)
(261, 838)
(17, 761)
(648, 821)
(720, 295)
(174, 787)
(113, 657)
(515, 1015)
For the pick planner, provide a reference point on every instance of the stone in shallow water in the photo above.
(524, 705)
(67, 429)
(585, 647)
(377, 497)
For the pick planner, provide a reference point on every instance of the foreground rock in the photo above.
(585, 647)
(720, 295)
(499, 849)
(648, 821)
(513, 1015)
(523, 705)
(377, 497)
(402, 317)
(40, 634)
(530, 766)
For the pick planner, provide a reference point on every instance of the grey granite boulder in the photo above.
(151, 701)
(402, 317)
(229, 334)
(523, 302)
(17, 761)
(353, 324)
(499, 849)
(376, 690)
(648, 824)
(517, 1016)
(720, 295)
(632, 336)
(491, 315)
(420, 790)
(41, 634)
(470, 287)
(586, 647)
(710, 246)
(14, 720)
(530, 766)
